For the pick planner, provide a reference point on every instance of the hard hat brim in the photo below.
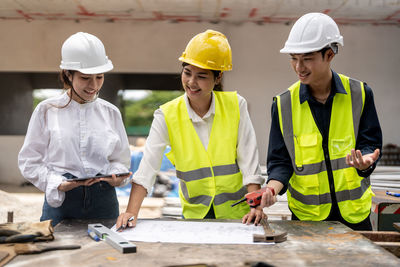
(298, 51)
(304, 50)
(201, 65)
(94, 70)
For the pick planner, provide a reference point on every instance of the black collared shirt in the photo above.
(279, 165)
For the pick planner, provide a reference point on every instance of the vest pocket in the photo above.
(355, 211)
(305, 148)
(340, 147)
(307, 185)
(358, 205)
(352, 179)
(304, 199)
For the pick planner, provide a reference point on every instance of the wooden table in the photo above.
(308, 244)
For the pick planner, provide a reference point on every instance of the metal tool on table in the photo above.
(270, 235)
(254, 200)
(112, 238)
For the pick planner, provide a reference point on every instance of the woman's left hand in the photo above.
(255, 214)
(114, 180)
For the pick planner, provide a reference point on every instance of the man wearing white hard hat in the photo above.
(77, 135)
(325, 137)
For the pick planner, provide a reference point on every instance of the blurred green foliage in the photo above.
(139, 114)
(36, 101)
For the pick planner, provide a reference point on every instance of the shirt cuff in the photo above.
(126, 181)
(54, 197)
(143, 181)
(253, 179)
(117, 167)
(367, 172)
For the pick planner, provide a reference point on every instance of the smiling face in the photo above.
(198, 83)
(85, 85)
(312, 68)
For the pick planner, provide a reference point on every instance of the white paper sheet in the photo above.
(192, 232)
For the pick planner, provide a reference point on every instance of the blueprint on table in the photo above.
(202, 232)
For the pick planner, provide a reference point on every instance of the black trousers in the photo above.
(98, 201)
(210, 214)
(335, 215)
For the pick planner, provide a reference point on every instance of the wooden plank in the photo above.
(392, 247)
(386, 239)
(397, 226)
(381, 236)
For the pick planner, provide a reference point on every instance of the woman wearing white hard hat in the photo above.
(77, 135)
(213, 144)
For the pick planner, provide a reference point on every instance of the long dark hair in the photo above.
(67, 84)
(217, 87)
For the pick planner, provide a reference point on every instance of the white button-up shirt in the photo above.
(247, 152)
(81, 139)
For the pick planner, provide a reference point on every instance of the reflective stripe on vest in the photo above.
(202, 199)
(206, 172)
(218, 200)
(326, 198)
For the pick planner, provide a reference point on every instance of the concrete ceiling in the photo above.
(375, 12)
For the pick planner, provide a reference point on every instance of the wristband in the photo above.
(368, 169)
(272, 190)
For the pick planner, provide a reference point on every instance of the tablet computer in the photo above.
(97, 177)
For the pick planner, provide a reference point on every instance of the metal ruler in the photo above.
(112, 238)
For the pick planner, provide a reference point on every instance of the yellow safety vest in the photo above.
(207, 177)
(308, 193)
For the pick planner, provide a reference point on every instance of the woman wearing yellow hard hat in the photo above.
(213, 143)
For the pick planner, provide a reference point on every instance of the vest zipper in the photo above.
(326, 157)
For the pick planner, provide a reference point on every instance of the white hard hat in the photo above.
(85, 53)
(312, 32)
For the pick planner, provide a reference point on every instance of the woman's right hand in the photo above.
(136, 197)
(69, 185)
(124, 222)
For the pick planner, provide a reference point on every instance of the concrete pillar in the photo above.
(16, 103)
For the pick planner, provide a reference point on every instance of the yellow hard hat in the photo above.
(208, 50)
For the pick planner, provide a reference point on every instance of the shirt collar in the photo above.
(65, 99)
(193, 115)
(337, 87)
